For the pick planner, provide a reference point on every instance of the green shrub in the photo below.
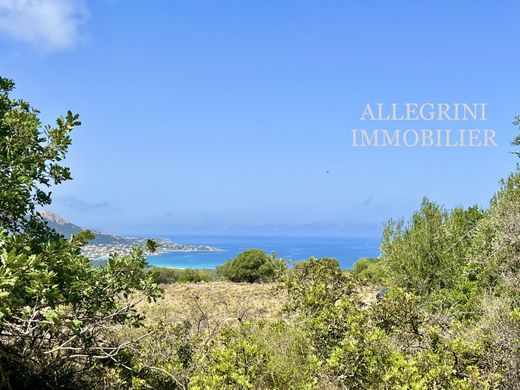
(430, 251)
(256, 356)
(56, 310)
(188, 275)
(252, 265)
(370, 270)
(363, 356)
(316, 284)
(322, 296)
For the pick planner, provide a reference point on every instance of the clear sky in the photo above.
(235, 116)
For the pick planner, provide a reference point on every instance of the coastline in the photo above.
(101, 252)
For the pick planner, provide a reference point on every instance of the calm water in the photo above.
(345, 250)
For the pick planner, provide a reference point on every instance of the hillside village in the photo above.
(104, 244)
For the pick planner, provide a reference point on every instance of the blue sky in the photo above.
(225, 117)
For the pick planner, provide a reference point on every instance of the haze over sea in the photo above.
(345, 249)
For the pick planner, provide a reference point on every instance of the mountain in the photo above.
(104, 244)
(67, 229)
(59, 224)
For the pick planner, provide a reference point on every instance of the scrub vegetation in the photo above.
(449, 317)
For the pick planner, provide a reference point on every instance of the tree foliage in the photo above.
(151, 246)
(370, 270)
(252, 265)
(56, 311)
(428, 253)
(30, 159)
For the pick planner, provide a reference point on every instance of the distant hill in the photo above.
(104, 244)
(67, 229)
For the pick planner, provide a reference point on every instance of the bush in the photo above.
(56, 311)
(257, 356)
(315, 284)
(322, 296)
(370, 270)
(252, 265)
(429, 253)
(171, 275)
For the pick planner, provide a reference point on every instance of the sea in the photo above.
(344, 249)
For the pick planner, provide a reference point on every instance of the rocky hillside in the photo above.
(105, 243)
(67, 229)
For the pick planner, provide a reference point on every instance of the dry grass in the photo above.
(221, 302)
(225, 302)
(367, 294)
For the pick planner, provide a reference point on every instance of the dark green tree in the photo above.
(30, 157)
(151, 246)
(429, 252)
(57, 312)
(252, 265)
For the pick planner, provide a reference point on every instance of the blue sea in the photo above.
(345, 250)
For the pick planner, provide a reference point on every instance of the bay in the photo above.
(345, 249)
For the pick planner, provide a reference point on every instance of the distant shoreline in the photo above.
(96, 251)
(346, 250)
(127, 251)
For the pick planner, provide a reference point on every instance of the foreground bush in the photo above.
(396, 343)
(429, 252)
(57, 312)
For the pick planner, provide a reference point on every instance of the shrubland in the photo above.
(450, 317)
(173, 275)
